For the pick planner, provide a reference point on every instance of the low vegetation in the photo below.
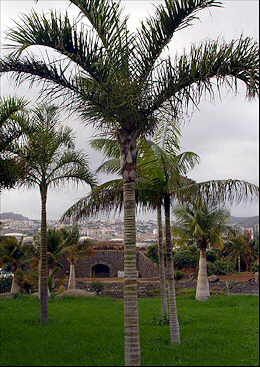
(89, 331)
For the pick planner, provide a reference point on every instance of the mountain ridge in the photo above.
(245, 221)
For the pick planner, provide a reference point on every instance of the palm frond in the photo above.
(205, 70)
(51, 75)
(219, 192)
(110, 166)
(109, 147)
(157, 31)
(104, 198)
(71, 166)
(59, 33)
(106, 18)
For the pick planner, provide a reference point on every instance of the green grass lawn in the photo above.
(220, 332)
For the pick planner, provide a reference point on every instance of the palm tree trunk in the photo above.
(39, 282)
(15, 287)
(238, 264)
(202, 290)
(131, 316)
(161, 254)
(172, 305)
(43, 259)
(72, 277)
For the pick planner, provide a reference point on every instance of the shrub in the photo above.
(185, 258)
(152, 253)
(213, 254)
(255, 267)
(61, 289)
(220, 267)
(179, 274)
(5, 284)
(97, 287)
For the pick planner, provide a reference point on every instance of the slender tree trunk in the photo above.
(161, 254)
(43, 259)
(39, 282)
(72, 277)
(131, 316)
(172, 305)
(238, 264)
(202, 290)
(15, 287)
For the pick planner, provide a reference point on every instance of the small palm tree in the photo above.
(120, 82)
(239, 247)
(12, 119)
(50, 161)
(205, 225)
(12, 254)
(73, 248)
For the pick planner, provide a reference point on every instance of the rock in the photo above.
(213, 278)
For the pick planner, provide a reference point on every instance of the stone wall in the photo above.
(114, 259)
(149, 288)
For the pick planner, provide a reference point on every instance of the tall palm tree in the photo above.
(205, 224)
(119, 82)
(12, 119)
(50, 160)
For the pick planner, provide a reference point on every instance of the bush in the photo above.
(5, 284)
(255, 267)
(186, 258)
(220, 267)
(179, 274)
(152, 253)
(213, 254)
(97, 287)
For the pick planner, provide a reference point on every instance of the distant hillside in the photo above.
(12, 216)
(245, 221)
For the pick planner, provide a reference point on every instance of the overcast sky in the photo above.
(224, 133)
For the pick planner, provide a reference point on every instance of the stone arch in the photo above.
(100, 270)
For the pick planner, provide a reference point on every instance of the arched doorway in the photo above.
(100, 271)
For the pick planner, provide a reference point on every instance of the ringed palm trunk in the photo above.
(39, 282)
(14, 287)
(172, 305)
(43, 258)
(161, 254)
(202, 290)
(131, 315)
(72, 276)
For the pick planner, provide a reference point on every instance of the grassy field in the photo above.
(220, 332)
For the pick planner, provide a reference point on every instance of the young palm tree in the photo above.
(205, 224)
(120, 82)
(72, 247)
(12, 255)
(12, 118)
(239, 247)
(50, 160)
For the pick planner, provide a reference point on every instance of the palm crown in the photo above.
(118, 78)
(49, 154)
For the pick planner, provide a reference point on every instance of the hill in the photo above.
(12, 216)
(245, 221)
